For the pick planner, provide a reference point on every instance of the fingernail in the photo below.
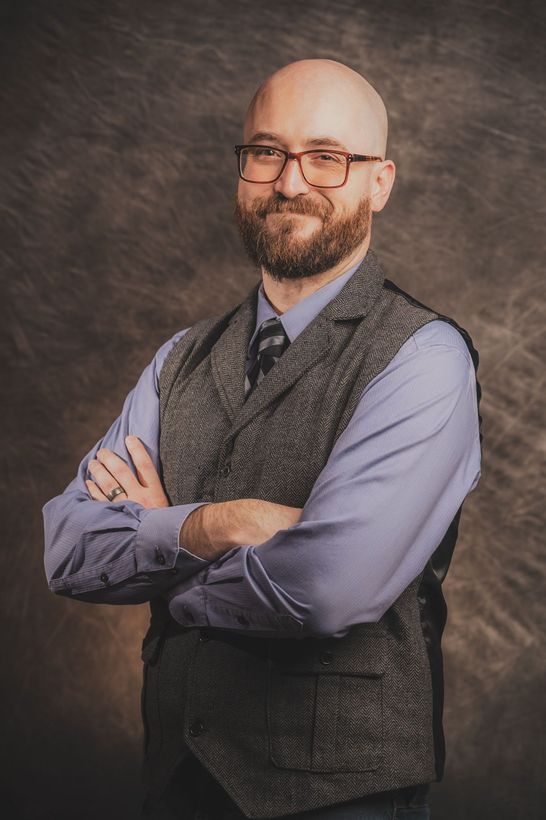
(130, 439)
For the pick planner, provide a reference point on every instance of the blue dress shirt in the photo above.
(393, 482)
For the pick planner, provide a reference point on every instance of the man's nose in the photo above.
(291, 181)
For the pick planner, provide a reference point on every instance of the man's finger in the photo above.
(146, 471)
(94, 491)
(103, 479)
(119, 470)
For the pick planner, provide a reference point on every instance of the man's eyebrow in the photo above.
(260, 136)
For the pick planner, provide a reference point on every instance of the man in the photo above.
(289, 495)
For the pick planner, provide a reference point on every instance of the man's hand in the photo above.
(111, 471)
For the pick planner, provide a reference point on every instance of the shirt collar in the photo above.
(296, 318)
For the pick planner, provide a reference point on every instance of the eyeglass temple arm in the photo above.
(363, 158)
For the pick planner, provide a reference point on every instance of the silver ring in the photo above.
(112, 494)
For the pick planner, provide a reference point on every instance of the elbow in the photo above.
(54, 560)
(325, 615)
(475, 480)
(56, 567)
(319, 627)
(329, 614)
(52, 571)
(54, 579)
(324, 624)
(57, 586)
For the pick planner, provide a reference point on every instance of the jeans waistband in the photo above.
(409, 796)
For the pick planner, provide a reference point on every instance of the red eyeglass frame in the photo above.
(297, 155)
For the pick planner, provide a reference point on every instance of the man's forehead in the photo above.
(327, 123)
(306, 115)
(321, 140)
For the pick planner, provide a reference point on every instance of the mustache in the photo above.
(282, 206)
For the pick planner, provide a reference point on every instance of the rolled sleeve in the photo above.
(157, 540)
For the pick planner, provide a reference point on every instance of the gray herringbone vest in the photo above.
(295, 723)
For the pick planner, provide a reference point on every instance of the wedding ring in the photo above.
(112, 494)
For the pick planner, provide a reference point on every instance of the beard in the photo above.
(282, 253)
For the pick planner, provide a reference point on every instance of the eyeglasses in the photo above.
(321, 169)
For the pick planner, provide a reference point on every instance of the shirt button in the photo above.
(225, 471)
(197, 728)
(326, 658)
(242, 620)
(104, 578)
(188, 613)
(160, 558)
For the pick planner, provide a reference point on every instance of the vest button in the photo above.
(203, 636)
(326, 658)
(225, 471)
(197, 728)
(242, 620)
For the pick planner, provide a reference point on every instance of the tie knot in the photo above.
(272, 337)
(271, 342)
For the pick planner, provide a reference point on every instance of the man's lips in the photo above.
(290, 213)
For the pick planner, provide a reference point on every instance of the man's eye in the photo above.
(263, 152)
(328, 157)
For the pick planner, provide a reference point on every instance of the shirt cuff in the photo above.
(224, 596)
(195, 608)
(156, 543)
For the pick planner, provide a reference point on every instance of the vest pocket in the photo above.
(325, 704)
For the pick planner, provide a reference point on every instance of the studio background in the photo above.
(117, 178)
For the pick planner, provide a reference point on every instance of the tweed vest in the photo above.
(288, 724)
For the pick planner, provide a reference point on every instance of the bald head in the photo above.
(319, 97)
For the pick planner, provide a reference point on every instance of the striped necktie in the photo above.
(272, 341)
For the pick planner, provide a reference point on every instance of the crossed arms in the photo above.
(394, 480)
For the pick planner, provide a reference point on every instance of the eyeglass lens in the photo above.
(264, 164)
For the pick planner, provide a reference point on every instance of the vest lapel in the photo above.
(228, 356)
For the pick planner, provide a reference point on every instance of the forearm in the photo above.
(113, 553)
(209, 531)
(214, 529)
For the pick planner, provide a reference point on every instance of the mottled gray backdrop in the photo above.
(117, 176)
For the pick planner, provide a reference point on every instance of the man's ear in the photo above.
(381, 184)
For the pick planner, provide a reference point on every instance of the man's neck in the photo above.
(288, 292)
